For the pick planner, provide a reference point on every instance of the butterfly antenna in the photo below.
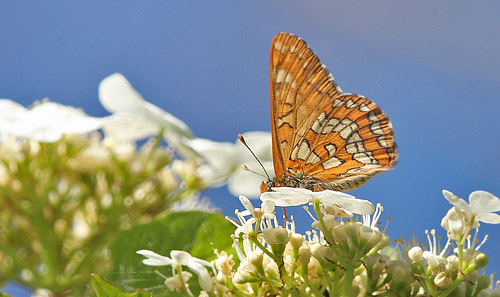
(244, 167)
(240, 137)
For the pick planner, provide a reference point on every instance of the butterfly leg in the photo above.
(285, 217)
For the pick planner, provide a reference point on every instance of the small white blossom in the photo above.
(265, 212)
(482, 206)
(285, 196)
(181, 258)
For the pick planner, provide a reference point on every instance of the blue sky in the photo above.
(433, 67)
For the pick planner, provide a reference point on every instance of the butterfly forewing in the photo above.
(336, 140)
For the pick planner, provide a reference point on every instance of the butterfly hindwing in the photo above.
(319, 132)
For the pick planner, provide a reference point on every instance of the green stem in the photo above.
(324, 229)
(182, 286)
(348, 280)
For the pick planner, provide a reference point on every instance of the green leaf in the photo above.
(4, 295)
(196, 232)
(105, 289)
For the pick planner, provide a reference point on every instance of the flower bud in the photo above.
(256, 258)
(415, 254)
(481, 260)
(483, 282)
(322, 252)
(452, 262)
(296, 240)
(304, 257)
(384, 241)
(278, 235)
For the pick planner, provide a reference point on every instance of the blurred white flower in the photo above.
(285, 196)
(265, 211)
(134, 118)
(247, 183)
(482, 206)
(224, 161)
(181, 258)
(45, 122)
(220, 160)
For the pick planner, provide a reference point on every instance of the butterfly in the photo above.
(322, 138)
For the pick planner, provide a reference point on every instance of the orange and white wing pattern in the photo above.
(322, 138)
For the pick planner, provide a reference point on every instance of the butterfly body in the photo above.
(322, 138)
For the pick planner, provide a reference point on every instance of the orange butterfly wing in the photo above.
(331, 139)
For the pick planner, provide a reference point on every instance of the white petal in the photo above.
(210, 177)
(180, 257)
(10, 110)
(49, 121)
(219, 155)
(203, 276)
(166, 120)
(220, 159)
(245, 183)
(247, 204)
(293, 191)
(346, 201)
(201, 261)
(484, 202)
(10, 114)
(123, 127)
(458, 202)
(245, 228)
(117, 94)
(155, 259)
(284, 196)
(489, 218)
(268, 207)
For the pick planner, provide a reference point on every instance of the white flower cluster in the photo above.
(132, 118)
(341, 256)
(68, 189)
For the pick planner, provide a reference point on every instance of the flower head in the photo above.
(181, 258)
(481, 207)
